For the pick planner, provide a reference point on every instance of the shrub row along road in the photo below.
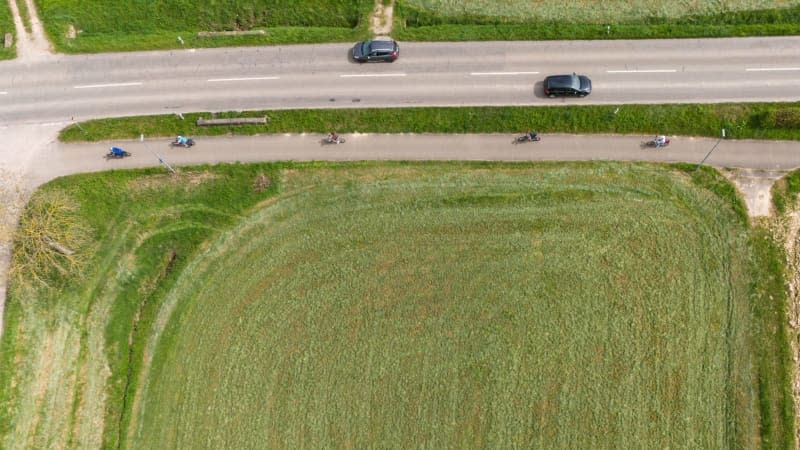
(474, 73)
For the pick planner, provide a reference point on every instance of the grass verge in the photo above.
(6, 26)
(740, 120)
(99, 26)
(25, 15)
(785, 191)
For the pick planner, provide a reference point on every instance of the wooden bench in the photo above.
(233, 121)
(231, 33)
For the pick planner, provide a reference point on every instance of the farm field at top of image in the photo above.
(100, 25)
(612, 11)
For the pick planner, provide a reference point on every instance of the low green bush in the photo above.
(783, 118)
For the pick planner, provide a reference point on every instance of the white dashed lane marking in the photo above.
(359, 75)
(93, 86)
(215, 80)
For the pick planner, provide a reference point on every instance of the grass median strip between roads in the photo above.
(740, 121)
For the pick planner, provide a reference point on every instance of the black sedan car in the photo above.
(567, 85)
(376, 51)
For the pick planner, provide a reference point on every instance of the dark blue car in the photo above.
(376, 51)
(567, 85)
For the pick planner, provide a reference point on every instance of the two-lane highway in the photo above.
(426, 74)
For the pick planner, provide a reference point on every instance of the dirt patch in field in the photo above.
(381, 18)
(791, 230)
(31, 46)
(188, 179)
(755, 186)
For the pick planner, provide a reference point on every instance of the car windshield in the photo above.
(365, 48)
(574, 82)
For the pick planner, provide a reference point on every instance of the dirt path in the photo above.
(381, 18)
(32, 46)
(23, 151)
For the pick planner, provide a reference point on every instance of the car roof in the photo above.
(382, 45)
(563, 81)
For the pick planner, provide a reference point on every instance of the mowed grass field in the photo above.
(395, 305)
(441, 306)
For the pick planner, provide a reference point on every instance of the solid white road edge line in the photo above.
(215, 80)
(372, 75)
(767, 69)
(91, 86)
(479, 74)
(643, 71)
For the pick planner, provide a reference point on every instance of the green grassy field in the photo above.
(599, 305)
(446, 20)
(740, 120)
(74, 346)
(608, 11)
(103, 25)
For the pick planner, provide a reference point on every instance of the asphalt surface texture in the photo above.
(52, 88)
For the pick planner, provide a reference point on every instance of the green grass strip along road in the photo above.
(740, 120)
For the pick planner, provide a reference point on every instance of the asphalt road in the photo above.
(40, 93)
(62, 159)
(60, 88)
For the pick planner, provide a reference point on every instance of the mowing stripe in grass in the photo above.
(538, 307)
(215, 80)
(93, 86)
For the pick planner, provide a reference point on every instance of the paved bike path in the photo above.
(62, 159)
